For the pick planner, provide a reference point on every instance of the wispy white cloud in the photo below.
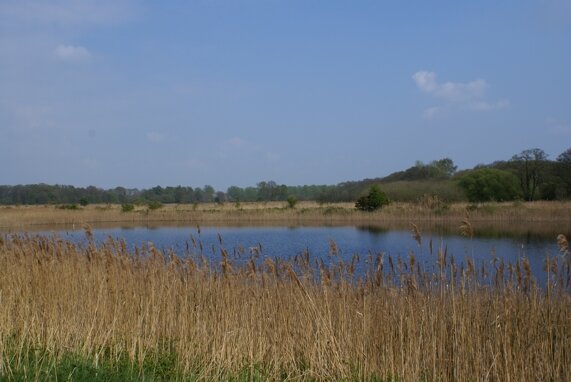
(466, 95)
(72, 53)
(426, 81)
(450, 91)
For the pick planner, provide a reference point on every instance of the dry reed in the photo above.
(277, 212)
(563, 244)
(288, 320)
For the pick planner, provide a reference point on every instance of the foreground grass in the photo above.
(40, 365)
(104, 313)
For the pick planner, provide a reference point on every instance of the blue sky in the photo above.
(220, 92)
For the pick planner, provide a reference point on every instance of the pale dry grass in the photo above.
(15, 217)
(301, 319)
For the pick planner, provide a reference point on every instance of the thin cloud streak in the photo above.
(72, 53)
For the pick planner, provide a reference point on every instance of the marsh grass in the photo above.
(428, 209)
(104, 312)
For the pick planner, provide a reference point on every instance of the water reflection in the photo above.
(531, 231)
(372, 229)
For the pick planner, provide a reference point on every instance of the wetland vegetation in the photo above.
(106, 310)
(505, 216)
(102, 311)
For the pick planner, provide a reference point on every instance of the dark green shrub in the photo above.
(489, 184)
(291, 201)
(84, 202)
(553, 190)
(373, 201)
(68, 207)
(127, 207)
(412, 191)
(154, 205)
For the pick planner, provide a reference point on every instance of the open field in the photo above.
(100, 313)
(428, 211)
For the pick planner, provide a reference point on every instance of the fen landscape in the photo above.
(419, 230)
(425, 290)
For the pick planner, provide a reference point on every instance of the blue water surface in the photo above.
(287, 242)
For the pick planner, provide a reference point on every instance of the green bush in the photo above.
(154, 205)
(68, 207)
(373, 201)
(489, 184)
(291, 201)
(83, 202)
(127, 207)
(413, 191)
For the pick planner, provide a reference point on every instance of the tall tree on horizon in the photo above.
(565, 156)
(530, 164)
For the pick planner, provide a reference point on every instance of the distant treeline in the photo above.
(263, 191)
(529, 175)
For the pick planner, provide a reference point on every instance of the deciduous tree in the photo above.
(530, 164)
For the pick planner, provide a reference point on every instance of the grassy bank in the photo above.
(427, 210)
(69, 312)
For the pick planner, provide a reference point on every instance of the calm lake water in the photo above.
(287, 242)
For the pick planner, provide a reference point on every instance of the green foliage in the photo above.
(443, 168)
(413, 191)
(291, 201)
(127, 207)
(39, 365)
(490, 185)
(84, 201)
(220, 198)
(68, 207)
(438, 169)
(208, 193)
(154, 205)
(373, 201)
(377, 198)
(530, 166)
(72, 367)
(565, 156)
(553, 189)
(271, 191)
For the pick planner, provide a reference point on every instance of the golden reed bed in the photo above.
(297, 320)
